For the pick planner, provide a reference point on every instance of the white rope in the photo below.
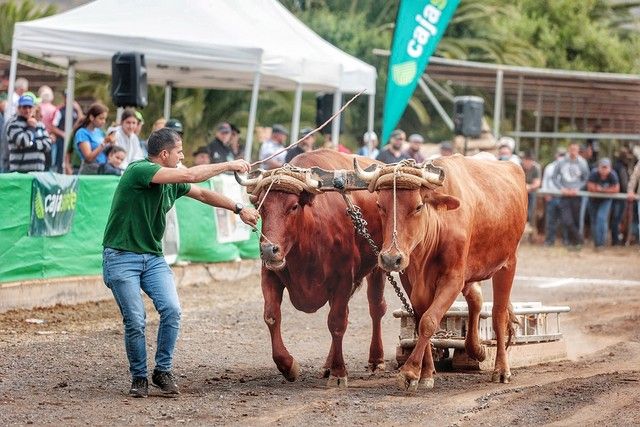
(312, 132)
(258, 209)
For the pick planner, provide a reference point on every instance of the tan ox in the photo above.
(459, 225)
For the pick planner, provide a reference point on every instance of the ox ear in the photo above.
(305, 198)
(440, 201)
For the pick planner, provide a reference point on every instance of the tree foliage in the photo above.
(13, 11)
(593, 35)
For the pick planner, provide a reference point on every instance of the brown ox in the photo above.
(313, 252)
(448, 238)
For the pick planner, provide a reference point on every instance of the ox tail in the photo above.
(511, 330)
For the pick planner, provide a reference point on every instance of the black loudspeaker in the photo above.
(128, 79)
(467, 115)
(324, 111)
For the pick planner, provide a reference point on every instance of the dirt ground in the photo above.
(71, 368)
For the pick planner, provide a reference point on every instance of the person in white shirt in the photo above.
(126, 137)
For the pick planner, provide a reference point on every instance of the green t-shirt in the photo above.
(138, 212)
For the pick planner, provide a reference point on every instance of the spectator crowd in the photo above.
(32, 138)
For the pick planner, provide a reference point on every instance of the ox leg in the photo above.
(337, 323)
(272, 291)
(377, 309)
(502, 319)
(473, 295)
(428, 368)
(429, 322)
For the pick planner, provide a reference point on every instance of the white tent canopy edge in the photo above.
(204, 43)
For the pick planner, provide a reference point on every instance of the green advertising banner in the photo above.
(419, 27)
(53, 203)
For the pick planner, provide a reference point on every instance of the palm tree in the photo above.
(14, 11)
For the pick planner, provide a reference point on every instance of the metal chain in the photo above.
(360, 224)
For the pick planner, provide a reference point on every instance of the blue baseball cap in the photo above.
(25, 101)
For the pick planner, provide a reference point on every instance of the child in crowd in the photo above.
(116, 156)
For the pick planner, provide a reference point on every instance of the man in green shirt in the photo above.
(132, 256)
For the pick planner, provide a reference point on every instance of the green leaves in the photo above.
(14, 11)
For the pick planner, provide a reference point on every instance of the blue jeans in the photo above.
(126, 273)
(618, 208)
(599, 214)
(552, 215)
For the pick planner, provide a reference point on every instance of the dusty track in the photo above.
(72, 369)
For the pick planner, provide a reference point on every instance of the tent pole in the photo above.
(519, 110)
(372, 107)
(335, 125)
(497, 103)
(295, 118)
(68, 111)
(12, 84)
(167, 100)
(252, 116)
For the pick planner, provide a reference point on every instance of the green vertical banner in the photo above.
(53, 203)
(419, 27)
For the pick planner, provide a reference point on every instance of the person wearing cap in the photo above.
(552, 203)
(220, 147)
(571, 176)
(273, 145)
(532, 179)
(27, 139)
(393, 153)
(505, 150)
(603, 179)
(132, 258)
(175, 125)
(415, 145)
(127, 138)
(369, 146)
(307, 139)
(201, 156)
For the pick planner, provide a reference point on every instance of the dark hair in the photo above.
(128, 112)
(94, 111)
(162, 139)
(114, 149)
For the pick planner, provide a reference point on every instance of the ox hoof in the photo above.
(501, 377)
(426, 383)
(408, 384)
(326, 372)
(293, 373)
(482, 354)
(373, 367)
(337, 382)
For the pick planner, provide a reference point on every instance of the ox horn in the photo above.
(433, 174)
(247, 182)
(363, 174)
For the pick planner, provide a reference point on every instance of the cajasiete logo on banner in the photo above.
(420, 25)
(53, 203)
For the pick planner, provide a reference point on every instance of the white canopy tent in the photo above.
(226, 44)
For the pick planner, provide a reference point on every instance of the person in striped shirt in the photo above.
(28, 139)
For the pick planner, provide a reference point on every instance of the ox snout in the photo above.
(392, 261)
(272, 256)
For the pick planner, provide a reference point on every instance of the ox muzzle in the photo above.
(392, 260)
(272, 256)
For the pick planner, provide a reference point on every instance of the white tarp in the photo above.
(198, 43)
